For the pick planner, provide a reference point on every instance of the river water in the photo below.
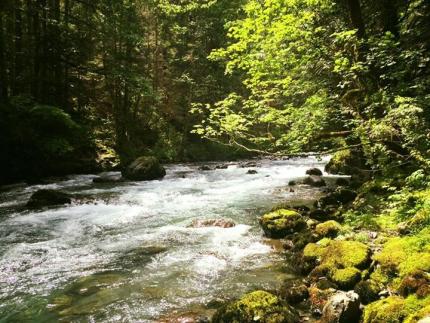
(127, 253)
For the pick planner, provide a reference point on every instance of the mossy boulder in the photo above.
(396, 309)
(388, 310)
(346, 278)
(417, 282)
(258, 306)
(280, 223)
(328, 229)
(144, 169)
(339, 254)
(42, 198)
(405, 255)
(368, 291)
(338, 260)
(345, 162)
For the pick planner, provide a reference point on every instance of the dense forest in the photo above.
(87, 86)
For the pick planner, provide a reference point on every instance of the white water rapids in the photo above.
(129, 255)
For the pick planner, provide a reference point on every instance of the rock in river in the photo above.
(279, 223)
(222, 223)
(258, 306)
(144, 169)
(42, 198)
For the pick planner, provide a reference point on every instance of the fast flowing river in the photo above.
(127, 253)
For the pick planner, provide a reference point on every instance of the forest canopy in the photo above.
(196, 80)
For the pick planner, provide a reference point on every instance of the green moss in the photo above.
(339, 254)
(279, 223)
(339, 163)
(345, 254)
(394, 309)
(389, 310)
(313, 251)
(379, 276)
(346, 278)
(258, 306)
(419, 315)
(403, 255)
(328, 229)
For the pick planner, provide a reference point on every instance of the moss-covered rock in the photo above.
(282, 222)
(417, 282)
(389, 310)
(314, 172)
(328, 229)
(405, 255)
(395, 309)
(258, 306)
(338, 260)
(368, 291)
(144, 169)
(294, 291)
(345, 162)
(318, 298)
(346, 278)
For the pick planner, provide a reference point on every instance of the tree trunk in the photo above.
(3, 81)
(356, 17)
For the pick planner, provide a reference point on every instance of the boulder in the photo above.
(338, 197)
(223, 166)
(346, 278)
(294, 292)
(319, 214)
(249, 165)
(329, 229)
(144, 169)
(318, 298)
(252, 172)
(368, 291)
(314, 171)
(292, 183)
(258, 306)
(314, 181)
(205, 168)
(280, 223)
(42, 198)
(342, 307)
(222, 223)
(417, 282)
(341, 181)
(106, 179)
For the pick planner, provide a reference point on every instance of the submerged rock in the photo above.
(280, 223)
(258, 306)
(314, 181)
(205, 168)
(342, 307)
(222, 223)
(44, 198)
(143, 169)
(252, 172)
(314, 171)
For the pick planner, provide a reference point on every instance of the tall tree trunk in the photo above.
(356, 17)
(3, 78)
(390, 18)
(18, 70)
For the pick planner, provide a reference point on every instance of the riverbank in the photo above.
(363, 253)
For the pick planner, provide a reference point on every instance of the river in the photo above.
(127, 253)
